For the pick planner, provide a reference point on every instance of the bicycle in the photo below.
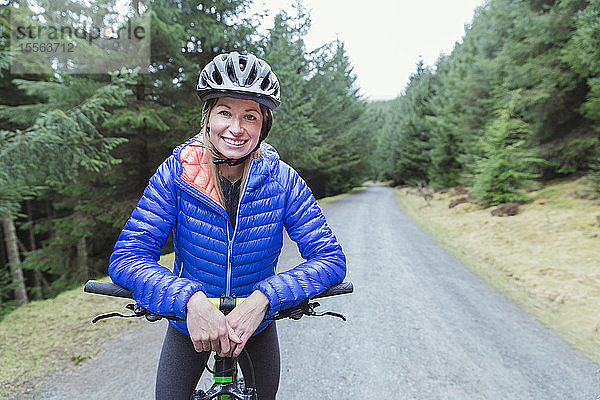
(226, 383)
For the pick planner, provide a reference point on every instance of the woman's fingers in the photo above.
(207, 326)
(215, 345)
(233, 335)
(238, 350)
(224, 346)
(210, 330)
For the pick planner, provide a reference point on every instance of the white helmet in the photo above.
(241, 76)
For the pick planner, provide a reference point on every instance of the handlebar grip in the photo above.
(107, 289)
(335, 290)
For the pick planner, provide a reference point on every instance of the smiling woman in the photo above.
(227, 197)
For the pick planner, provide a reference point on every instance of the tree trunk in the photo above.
(38, 278)
(82, 260)
(14, 261)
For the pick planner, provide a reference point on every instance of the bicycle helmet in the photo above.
(243, 76)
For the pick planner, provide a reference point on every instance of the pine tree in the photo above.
(415, 128)
(63, 143)
(507, 165)
(337, 116)
(293, 133)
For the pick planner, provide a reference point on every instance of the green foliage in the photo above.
(52, 154)
(317, 128)
(336, 115)
(594, 176)
(293, 132)
(62, 143)
(6, 293)
(506, 165)
(415, 128)
(381, 120)
(582, 53)
(574, 156)
(445, 169)
(537, 59)
(86, 179)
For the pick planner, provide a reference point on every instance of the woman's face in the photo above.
(235, 126)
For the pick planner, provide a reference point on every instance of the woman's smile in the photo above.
(234, 142)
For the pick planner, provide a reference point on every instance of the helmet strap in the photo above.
(235, 161)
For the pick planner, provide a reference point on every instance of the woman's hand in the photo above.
(245, 318)
(208, 327)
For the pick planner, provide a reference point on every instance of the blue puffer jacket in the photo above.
(209, 254)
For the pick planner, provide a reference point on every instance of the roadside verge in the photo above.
(44, 336)
(545, 258)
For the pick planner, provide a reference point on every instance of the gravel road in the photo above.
(420, 326)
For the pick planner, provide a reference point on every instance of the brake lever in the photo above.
(330, 314)
(112, 314)
(306, 309)
(138, 311)
(310, 311)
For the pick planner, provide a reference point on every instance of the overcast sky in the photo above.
(384, 38)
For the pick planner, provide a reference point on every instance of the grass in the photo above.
(325, 200)
(545, 258)
(44, 336)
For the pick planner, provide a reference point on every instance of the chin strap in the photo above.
(230, 161)
(234, 161)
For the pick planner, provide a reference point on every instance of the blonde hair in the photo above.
(213, 153)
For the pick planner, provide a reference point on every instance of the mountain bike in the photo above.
(227, 385)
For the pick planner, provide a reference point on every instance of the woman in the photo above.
(227, 197)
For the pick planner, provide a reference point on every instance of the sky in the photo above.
(384, 39)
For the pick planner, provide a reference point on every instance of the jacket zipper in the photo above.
(215, 205)
(230, 244)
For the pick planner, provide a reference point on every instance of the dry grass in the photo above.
(546, 258)
(44, 336)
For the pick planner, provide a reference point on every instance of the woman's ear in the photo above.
(267, 122)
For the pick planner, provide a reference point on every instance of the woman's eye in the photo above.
(225, 113)
(251, 117)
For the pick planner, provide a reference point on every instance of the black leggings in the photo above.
(180, 366)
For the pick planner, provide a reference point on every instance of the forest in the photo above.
(516, 103)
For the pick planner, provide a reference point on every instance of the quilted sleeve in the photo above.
(133, 263)
(325, 263)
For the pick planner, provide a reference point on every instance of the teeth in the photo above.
(234, 142)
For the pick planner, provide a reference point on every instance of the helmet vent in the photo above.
(242, 64)
(231, 73)
(217, 77)
(251, 76)
(265, 84)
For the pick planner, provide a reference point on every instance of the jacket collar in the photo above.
(191, 166)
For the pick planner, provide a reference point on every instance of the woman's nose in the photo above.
(236, 126)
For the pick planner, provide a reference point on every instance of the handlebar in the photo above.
(306, 308)
(107, 289)
(112, 289)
